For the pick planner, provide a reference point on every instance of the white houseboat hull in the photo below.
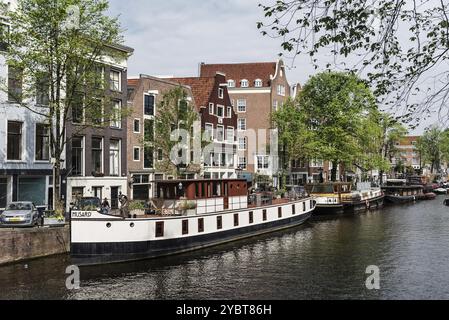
(99, 239)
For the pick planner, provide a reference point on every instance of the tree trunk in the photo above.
(56, 185)
(381, 177)
(334, 171)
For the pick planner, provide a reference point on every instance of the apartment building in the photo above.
(256, 90)
(407, 153)
(96, 156)
(25, 167)
(144, 95)
(218, 121)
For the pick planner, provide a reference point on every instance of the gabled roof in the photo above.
(201, 88)
(240, 71)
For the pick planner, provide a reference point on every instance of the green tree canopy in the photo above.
(175, 113)
(55, 53)
(398, 44)
(333, 105)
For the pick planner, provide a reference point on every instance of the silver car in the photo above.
(20, 214)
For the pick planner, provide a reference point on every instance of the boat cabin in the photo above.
(329, 188)
(200, 196)
(403, 191)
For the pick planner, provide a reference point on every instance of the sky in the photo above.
(171, 37)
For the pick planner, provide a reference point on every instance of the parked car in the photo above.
(20, 214)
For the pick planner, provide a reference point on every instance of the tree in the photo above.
(292, 133)
(175, 113)
(431, 146)
(333, 105)
(56, 50)
(398, 44)
(379, 135)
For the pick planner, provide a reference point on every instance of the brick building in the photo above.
(144, 94)
(256, 90)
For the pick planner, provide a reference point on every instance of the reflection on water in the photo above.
(324, 259)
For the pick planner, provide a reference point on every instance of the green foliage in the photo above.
(335, 118)
(136, 205)
(433, 147)
(59, 64)
(401, 42)
(175, 112)
(333, 105)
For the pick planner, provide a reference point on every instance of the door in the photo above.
(226, 203)
(114, 197)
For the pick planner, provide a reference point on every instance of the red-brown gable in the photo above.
(133, 82)
(240, 71)
(201, 88)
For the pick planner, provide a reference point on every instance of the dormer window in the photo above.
(244, 83)
(258, 83)
(231, 84)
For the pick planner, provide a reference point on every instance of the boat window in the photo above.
(328, 188)
(251, 217)
(219, 223)
(304, 206)
(293, 209)
(159, 229)
(264, 212)
(236, 220)
(185, 227)
(280, 212)
(201, 225)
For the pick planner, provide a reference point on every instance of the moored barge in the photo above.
(338, 197)
(189, 215)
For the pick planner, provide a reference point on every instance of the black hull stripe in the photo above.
(104, 253)
(340, 209)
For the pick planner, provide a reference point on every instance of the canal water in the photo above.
(324, 259)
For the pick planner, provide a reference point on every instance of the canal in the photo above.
(324, 259)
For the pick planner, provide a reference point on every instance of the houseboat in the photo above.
(398, 191)
(186, 215)
(339, 197)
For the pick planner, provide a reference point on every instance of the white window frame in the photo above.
(229, 112)
(206, 125)
(220, 93)
(223, 131)
(154, 106)
(22, 142)
(316, 163)
(116, 123)
(231, 83)
(238, 124)
(241, 103)
(219, 106)
(228, 129)
(119, 80)
(134, 150)
(275, 105)
(244, 83)
(35, 144)
(258, 83)
(244, 164)
(265, 162)
(119, 158)
(244, 140)
(211, 108)
(134, 125)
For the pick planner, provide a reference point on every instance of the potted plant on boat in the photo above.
(56, 218)
(187, 208)
(137, 208)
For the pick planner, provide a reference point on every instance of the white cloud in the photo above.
(171, 37)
